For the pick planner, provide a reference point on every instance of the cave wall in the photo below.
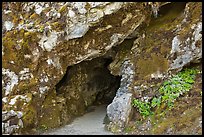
(41, 39)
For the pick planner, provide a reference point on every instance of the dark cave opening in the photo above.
(168, 12)
(106, 96)
(173, 7)
(64, 80)
(92, 80)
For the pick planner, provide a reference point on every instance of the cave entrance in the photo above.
(87, 84)
(108, 84)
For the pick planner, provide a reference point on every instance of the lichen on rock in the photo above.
(44, 43)
(119, 111)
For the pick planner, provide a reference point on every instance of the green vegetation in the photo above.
(144, 107)
(168, 92)
(43, 127)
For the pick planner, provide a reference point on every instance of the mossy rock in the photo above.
(29, 118)
(50, 115)
(151, 65)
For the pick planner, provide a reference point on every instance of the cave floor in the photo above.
(90, 123)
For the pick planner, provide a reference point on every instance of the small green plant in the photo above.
(177, 85)
(144, 107)
(168, 92)
(43, 127)
(156, 102)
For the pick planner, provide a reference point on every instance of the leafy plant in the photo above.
(144, 107)
(169, 91)
(156, 102)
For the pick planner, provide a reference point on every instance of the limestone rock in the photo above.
(42, 40)
(119, 111)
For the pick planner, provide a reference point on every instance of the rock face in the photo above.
(120, 109)
(169, 43)
(44, 40)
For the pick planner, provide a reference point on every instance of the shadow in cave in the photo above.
(106, 96)
(172, 8)
(167, 13)
(95, 84)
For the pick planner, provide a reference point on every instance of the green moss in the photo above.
(151, 65)
(129, 129)
(29, 118)
(163, 126)
(41, 29)
(58, 26)
(9, 43)
(158, 34)
(50, 116)
(24, 86)
(196, 10)
(192, 18)
(30, 37)
(63, 9)
(179, 119)
(18, 43)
